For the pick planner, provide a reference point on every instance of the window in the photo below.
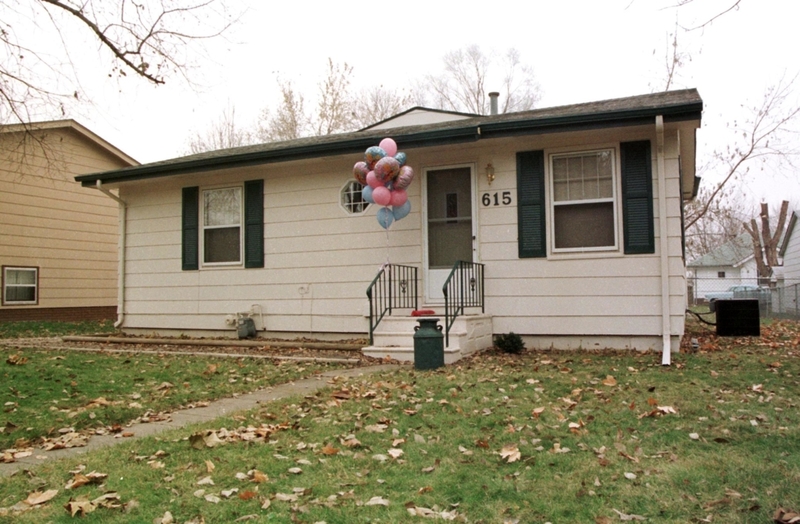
(20, 285)
(232, 224)
(222, 225)
(583, 203)
(583, 192)
(351, 199)
(720, 274)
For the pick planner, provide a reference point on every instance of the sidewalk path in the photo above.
(184, 417)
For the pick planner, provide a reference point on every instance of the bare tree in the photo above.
(721, 223)
(732, 5)
(335, 106)
(289, 121)
(765, 135)
(148, 40)
(765, 241)
(377, 103)
(224, 133)
(469, 74)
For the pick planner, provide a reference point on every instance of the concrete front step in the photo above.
(394, 337)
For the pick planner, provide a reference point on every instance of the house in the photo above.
(59, 240)
(573, 212)
(787, 297)
(731, 264)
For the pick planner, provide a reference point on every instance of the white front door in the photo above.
(449, 225)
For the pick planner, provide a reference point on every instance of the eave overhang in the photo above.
(680, 106)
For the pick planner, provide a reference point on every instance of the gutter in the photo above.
(664, 242)
(123, 215)
(454, 132)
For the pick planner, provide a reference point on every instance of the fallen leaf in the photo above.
(329, 450)
(209, 466)
(609, 381)
(38, 497)
(295, 471)
(623, 516)
(259, 477)
(377, 501)
(510, 453)
(80, 505)
(395, 453)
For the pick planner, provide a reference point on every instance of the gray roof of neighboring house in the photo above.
(730, 254)
(674, 106)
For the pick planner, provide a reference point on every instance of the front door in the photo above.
(449, 226)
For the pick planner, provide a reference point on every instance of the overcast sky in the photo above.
(581, 50)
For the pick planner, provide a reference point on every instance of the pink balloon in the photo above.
(372, 180)
(399, 197)
(381, 195)
(388, 145)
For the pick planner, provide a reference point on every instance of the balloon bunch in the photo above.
(385, 177)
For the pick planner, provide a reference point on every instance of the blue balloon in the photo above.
(385, 217)
(366, 194)
(401, 158)
(400, 212)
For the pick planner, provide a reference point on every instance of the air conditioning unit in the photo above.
(738, 318)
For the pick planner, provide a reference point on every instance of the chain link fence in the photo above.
(778, 300)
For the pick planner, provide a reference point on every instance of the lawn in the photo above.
(55, 398)
(537, 437)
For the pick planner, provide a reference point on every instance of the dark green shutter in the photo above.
(254, 223)
(190, 231)
(531, 204)
(637, 198)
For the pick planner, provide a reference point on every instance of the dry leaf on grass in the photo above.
(39, 497)
(510, 453)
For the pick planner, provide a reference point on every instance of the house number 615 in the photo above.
(496, 199)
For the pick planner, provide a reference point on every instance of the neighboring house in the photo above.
(788, 296)
(789, 251)
(575, 212)
(58, 240)
(731, 264)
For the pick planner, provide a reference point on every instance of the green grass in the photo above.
(35, 328)
(47, 390)
(728, 453)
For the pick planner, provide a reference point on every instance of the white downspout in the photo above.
(664, 242)
(123, 213)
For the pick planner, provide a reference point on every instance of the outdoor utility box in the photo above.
(245, 327)
(428, 344)
(738, 318)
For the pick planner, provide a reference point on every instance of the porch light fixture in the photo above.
(490, 173)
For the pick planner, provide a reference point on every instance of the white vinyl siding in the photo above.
(319, 260)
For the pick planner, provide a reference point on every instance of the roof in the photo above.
(419, 113)
(74, 126)
(675, 106)
(732, 253)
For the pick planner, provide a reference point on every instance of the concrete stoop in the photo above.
(394, 337)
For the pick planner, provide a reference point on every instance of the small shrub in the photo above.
(509, 343)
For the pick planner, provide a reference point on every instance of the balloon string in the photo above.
(387, 247)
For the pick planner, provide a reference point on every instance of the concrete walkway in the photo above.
(184, 417)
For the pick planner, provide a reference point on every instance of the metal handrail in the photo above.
(462, 289)
(395, 286)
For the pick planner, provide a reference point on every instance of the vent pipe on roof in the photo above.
(493, 102)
